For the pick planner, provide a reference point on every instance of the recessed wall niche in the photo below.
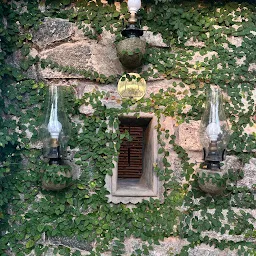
(133, 176)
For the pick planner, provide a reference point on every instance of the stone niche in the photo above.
(147, 185)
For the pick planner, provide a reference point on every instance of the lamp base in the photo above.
(55, 161)
(213, 182)
(130, 52)
(212, 158)
(56, 186)
(56, 177)
(212, 165)
(132, 31)
(54, 155)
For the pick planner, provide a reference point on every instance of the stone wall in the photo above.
(63, 42)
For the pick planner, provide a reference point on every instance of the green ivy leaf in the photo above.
(30, 244)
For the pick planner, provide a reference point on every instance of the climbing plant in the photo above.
(29, 214)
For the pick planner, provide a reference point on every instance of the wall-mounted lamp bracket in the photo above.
(132, 30)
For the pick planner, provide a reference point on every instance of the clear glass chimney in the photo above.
(55, 131)
(214, 131)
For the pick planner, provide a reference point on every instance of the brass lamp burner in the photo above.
(54, 154)
(212, 159)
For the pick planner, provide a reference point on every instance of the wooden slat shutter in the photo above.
(131, 153)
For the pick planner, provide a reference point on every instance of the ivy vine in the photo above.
(29, 215)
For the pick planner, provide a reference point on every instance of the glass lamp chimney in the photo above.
(54, 126)
(55, 131)
(214, 131)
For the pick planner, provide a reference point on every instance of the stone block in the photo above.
(168, 123)
(115, 103)
(48, 73)
(188, 137)
(89, 87)
(176, 166)
(86, 110)
(207, 250)
(154, 85)
(32, 73)
(172, 246)
(231, 162)
(194, 43)
(71, 242)
(154, 40)
(169, 246)
(104, 59)
(195, 157)
(250, 129)
(14, 59)
(84, 55)
(249, 174)
(69, 54)
(78, 34)
(106, 38)
(237, 41)
(240, 61)
(112, 101)
(200, 58)
(83, 87)
(33, 52)
(52, 30)
(252, 67)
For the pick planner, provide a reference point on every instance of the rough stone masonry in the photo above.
(62, 42)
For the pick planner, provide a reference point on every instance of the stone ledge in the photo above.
(48, 73)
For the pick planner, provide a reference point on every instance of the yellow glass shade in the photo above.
(132, 86)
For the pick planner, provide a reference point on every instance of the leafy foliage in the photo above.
(27, 212)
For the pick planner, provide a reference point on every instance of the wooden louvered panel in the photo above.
(130, 157)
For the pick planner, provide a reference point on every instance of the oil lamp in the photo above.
(214, 131)
(56, 129)
(131, 49)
